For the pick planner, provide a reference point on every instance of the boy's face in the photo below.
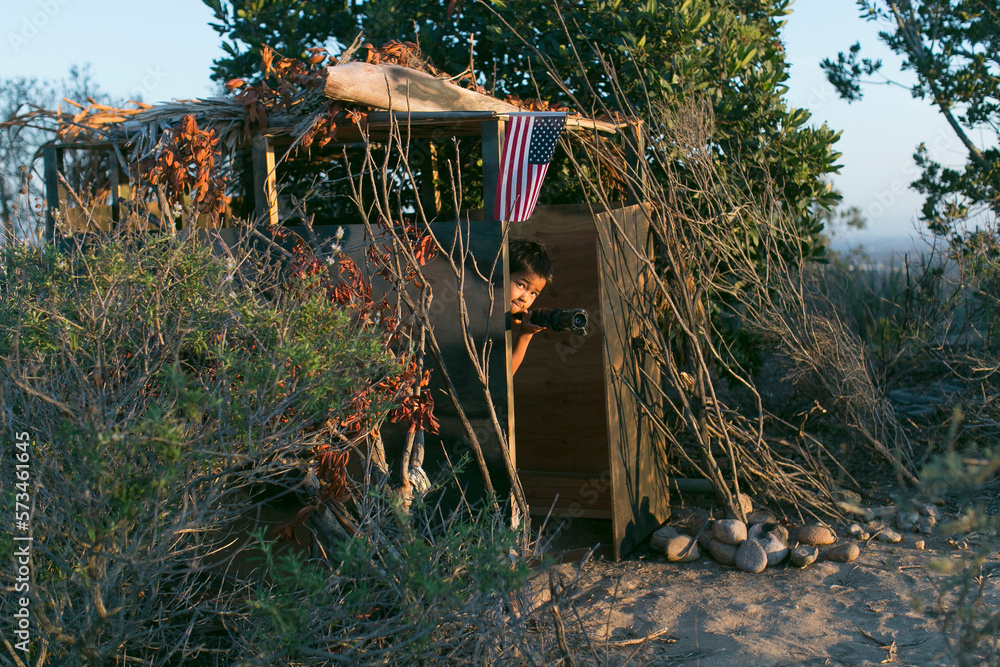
(524, 288)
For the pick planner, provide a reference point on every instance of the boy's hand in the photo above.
(525, 325)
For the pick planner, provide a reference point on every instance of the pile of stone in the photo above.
(762, 542)
(889, 523)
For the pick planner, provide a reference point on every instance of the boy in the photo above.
(530, 272)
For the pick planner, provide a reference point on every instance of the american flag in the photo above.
(527, 151)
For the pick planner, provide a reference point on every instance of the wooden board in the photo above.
(586, 449)
(559, 391)
(480, 249)
(637, 454)
(484, 304)
(568, 494)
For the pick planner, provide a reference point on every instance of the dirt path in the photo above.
(714, 616)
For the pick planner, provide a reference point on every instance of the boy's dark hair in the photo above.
(530, 256)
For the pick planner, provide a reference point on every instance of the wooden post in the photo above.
(119, 188)
(430, 193)
(492, 129)
(53, 158)
(635, 154)
(492, 146)
(501, 384)
(265, 183)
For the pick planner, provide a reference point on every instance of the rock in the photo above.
(730, 531)
(890, 536)
(843, 553)
(907, 521)
(817, 534)
(775, 548)
(760, 516)
(857, 510)
(705, 537)
(751, 557)
(804, 555)
(857, 532)
(875, 526)
(757, 530)
(745, 503)
(931, 511)
(658, 542)
(690, 521)
(919, 545)
(926, 524)
(682, 549)
(722, 552)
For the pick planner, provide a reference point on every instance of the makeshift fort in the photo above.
(377, 159)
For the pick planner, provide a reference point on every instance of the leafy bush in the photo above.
(160, 384)
(172, 389)
(440, 591)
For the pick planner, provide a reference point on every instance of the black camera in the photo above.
(574, 320)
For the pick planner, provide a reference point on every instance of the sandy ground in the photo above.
(858, 613)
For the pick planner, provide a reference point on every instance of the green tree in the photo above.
(953, 48)
(664, 55)
(664, 52)
(287, 26)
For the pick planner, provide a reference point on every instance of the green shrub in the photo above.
(160, 384)
(437, 592)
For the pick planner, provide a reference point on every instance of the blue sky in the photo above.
(163, 49)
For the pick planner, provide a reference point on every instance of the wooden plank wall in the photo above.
(637, 452)
(559, 390)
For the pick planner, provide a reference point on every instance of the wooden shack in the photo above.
(574, 415)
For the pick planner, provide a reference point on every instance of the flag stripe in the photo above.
(540, 172)
(520, 162)
(531, 139)
(516, 147)
(507, 166)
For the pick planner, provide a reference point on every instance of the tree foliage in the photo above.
(663, 52)
(287, 26)
(953, 48)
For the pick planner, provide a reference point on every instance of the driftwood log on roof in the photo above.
(403, 89)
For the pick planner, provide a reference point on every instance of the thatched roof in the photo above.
(311, 101)
(303, 104)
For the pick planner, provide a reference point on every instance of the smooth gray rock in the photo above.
(804, 555)
(751, 557)
(730, 531)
